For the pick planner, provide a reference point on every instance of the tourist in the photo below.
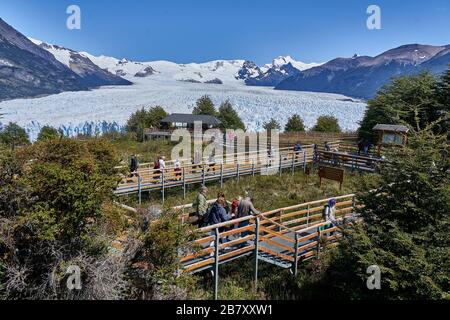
(134, 165)
(218, 214)
(246, 208)
(177, 169)
(329, 215)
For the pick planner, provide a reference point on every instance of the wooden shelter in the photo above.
(392, 134)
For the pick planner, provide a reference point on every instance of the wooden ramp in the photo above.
(284, 237)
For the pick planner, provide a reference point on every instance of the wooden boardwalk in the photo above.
(283, 237)
(245, 164)
(248, 164)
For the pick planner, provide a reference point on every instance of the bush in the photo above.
(405, 228)
(327, 124)
(154, 264)
(48, 133)
(13, 136)
(51, 205)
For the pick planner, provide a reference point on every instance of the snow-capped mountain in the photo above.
(27, 70)
(282, 61)
(91, 73)
(208, 72)
(272, 74)
(363, 76)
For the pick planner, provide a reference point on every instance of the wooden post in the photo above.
(253, 167)
(216, 263)
(238, 167)
(295, 271)
(163, 184)
(184, 183)
(294, 155)
(140, 190)
(304, 161)
(319, 238)
(307, 215)
(203, 175)
(281, 163)
(221, 176)
(255, 267)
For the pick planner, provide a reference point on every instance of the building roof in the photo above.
(191, 118)
(391, 128)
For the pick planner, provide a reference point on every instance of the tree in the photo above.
(143, 119)
(443, 96)
(327, 124)
(229, 117)
(48, 133)
(408, 100)
(205, 106)
(272, 125)
(295, 124)
(13, 135)
(50, 206)
(404, 229)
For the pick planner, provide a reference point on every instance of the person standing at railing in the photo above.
(297, 150)
(212, 163)
(201, 207)
(134, 165)
(177, 169)
(162, 166)
(329, 215)
(218, 213)
(245, 209)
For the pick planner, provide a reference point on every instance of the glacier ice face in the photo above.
(107, 109)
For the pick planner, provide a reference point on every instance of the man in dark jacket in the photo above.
(218, 214)
(134, 164)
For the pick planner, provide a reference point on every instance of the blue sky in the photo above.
(259, 30)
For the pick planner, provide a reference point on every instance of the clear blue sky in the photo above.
(259, 30)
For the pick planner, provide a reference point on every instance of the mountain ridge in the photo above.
(364, 76)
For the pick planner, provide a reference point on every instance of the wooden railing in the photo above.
(349, 161)
(239, 165)
(275, 223)
(284, 237)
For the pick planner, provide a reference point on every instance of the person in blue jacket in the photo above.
(218, 214)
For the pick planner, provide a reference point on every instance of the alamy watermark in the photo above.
(374, 20)
(74, 279)
(74, 20)
(230, 146)
(374, 280)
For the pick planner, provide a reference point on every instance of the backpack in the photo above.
(157, 164)
(207, 216)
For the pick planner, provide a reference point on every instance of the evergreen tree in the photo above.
(48, 133)
(408, 100)
(404, 229)
(205, 106)
(272, 125)
(229, 117)
(443, 96)
(13, 135)
(327, 124)
(295, 124)
(143, 119)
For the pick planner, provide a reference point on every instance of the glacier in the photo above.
(107, 109)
